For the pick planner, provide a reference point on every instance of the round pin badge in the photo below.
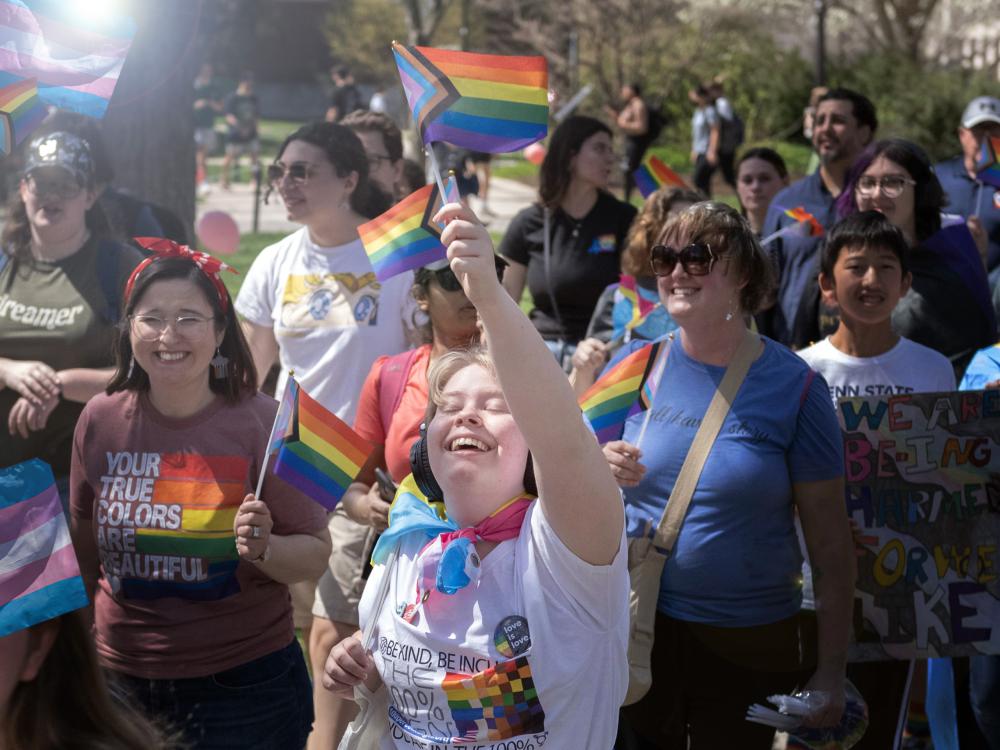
(511, 637)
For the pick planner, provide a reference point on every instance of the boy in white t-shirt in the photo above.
(863, 273)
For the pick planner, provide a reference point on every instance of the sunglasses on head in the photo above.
(697, 259)
(448, 281)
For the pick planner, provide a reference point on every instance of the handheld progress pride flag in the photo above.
(39, 575)
(653, 174)
(641, 307)
(622, 391)
(75, 53)
(492, 103)
(317, 453)
(21, 111)
(806, 219)
(404, 237)
(988, 162)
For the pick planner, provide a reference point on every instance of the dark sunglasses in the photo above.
(697, 259)
(297, 173)
(448, 281)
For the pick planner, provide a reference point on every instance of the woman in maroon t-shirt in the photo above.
(191, 610)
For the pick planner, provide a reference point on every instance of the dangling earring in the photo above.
(729, 315)
(131, 367)
(220, 364)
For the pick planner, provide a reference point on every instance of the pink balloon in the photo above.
(218, 232)
(535, 153)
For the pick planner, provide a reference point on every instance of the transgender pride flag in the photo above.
(75, 53)
(39, 575)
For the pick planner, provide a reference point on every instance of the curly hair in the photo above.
(648, 225)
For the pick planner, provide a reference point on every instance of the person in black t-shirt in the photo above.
(241, 109)
(346, 97)
(586, 229)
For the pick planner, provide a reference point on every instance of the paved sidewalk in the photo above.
(507, 197)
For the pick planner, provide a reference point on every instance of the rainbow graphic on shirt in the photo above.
(495, 704)
(165, 524)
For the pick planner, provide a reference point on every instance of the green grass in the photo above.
(250, 247)
(514, 166)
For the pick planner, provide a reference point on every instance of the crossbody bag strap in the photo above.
(694, 462)
(546, 264)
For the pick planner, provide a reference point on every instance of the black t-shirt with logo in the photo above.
(59, 313)
(585, 259)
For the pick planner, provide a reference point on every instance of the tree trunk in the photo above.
(149, 126)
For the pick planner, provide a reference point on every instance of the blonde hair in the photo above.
(447, 365)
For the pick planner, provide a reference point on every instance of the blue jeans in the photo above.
(984, 692)
(265, 704)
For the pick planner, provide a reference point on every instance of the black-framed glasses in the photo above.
(448, 281)
(697, 259)
(297, 173)
(151, 327)
(891, 185)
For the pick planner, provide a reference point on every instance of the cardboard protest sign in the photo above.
(923, 485)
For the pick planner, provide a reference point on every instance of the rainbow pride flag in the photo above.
(806, 219)
(21, 111)
(988, 162)
(405, 236)
(39, 576)
(75, 53)
(641, 307)
(318, 454)
(653, 174)
(620, 393)
(492, 103)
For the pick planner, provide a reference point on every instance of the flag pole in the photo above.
(436, 170)
(781, 232)
(270, 438)
(655, 377)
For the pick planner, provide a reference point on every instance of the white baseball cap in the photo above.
(981, 109)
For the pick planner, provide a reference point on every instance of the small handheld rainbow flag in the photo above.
(641, 307)
(988, 162)
(318, 454)
(620, 393)
(653, 174)
(404, 237)
(492, 103)
(21, 111)
(39, 576)
(806, 219)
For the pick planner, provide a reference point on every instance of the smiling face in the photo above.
(311, 201)
(177, 360)
(899, 209)
(595, 161)
(473, 442)
(757, 183)
(55, 203)
(866, 285)
(452, 316)
(837, 136)
(696, 300)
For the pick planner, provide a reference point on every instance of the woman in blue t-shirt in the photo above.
(726, 632)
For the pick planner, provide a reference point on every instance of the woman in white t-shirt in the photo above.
(312, 302)
(508, 619)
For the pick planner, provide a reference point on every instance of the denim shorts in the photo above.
(265, 704)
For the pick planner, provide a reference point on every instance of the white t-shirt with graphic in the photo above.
(331, 317)
(908, 367)
(531, 655)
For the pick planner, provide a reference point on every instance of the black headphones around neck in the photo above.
(420, 466)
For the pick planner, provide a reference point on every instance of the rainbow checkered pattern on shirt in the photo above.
(495, 704)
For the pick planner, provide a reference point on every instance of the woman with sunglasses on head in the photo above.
(509, 594)
(61, 279)
(394, 397)
(191, 570)
(726, 622)
(312, 303)
(948, 305)
(567, 247)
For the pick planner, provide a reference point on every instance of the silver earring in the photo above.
(131, 367)
(220, 364)
(729, 315)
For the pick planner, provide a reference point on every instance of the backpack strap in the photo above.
(392, 383)
(109, 277)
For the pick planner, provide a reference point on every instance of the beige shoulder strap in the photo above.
(687, 479)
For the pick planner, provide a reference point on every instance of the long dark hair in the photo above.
(346, 154)
(568, 138)
(928, 195)
(68, 704)
(241, 375)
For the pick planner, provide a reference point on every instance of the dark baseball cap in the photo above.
(63, 150)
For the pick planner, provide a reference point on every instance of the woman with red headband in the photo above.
(61, 279)
(191, 611)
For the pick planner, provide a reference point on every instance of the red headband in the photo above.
(164, 248)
